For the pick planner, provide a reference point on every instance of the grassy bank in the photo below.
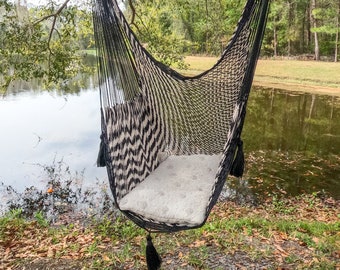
(311, 76)
(299, 233)
(89, 52)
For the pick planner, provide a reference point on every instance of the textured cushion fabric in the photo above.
(178, 191)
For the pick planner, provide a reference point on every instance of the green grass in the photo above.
(305, 239)
(312, 76)
(300, 72)
(89, 52)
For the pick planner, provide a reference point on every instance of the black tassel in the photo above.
(101, 155)
(153, 260)
(237, 167)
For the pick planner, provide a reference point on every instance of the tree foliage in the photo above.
(184, 26)
(204, 27)
(44, 41)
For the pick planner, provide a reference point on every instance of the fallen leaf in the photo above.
(51, 252)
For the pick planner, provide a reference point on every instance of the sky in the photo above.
(42, 2)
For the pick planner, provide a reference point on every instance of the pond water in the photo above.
(292, 143)
(291, 140)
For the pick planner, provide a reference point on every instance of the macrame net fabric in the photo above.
(152, 115)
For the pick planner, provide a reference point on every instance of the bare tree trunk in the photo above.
(308, 15)
(302, 39)
(275, 41)
(337, 34)
(316, 40)
(289, 7)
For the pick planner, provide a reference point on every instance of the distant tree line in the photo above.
(295, 27)
(45, 41)
(298, 27)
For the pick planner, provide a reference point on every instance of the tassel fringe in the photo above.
(237, 167)
(153, 260)
(101, 155)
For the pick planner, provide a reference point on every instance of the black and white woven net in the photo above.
(148, 109)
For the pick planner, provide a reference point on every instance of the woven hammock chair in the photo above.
(169, 141)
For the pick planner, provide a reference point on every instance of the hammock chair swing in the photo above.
(169, 141)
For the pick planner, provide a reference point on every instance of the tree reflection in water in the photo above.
(291, 141)
(292, 145)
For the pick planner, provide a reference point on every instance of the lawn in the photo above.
(308, 76)
(295, 233)
(311, 76)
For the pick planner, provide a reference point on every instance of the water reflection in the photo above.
(79, 83)
(39, 127)
(291, 140)
(289, 121)
(292, 143)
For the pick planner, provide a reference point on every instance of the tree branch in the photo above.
(55, 16)
(133, 10)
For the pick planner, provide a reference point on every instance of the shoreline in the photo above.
(314, 77)
(287, 86)
(296, 87)
(278, 234)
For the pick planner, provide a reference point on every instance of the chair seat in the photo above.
(177, 192)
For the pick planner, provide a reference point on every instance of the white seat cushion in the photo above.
(178, 191)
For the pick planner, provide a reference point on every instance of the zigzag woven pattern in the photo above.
(135, 141)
